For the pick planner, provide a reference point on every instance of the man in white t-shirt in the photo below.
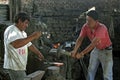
(16, 44)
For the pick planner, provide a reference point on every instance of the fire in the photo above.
(56, 45)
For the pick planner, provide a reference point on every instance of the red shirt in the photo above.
(100, 32)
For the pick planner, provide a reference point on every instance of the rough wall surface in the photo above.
(60, 16)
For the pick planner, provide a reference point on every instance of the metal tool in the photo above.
(81, 62)
(62, 51)
(53, 63)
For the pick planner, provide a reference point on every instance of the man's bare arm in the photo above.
(77, 45)
(36, 51)
(89, 48)
(21, 42)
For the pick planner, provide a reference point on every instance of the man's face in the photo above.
(23, 25)
(91, 22)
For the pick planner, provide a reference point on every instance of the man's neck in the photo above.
(18, 26)
(94, 27)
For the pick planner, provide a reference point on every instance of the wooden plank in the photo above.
(35, 76)
(3, 12)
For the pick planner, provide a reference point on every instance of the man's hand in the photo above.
(79, 55)
(77, 45)
(73, 54)
(41, 57)
(37, 34)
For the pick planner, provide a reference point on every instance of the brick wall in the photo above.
(60, 15)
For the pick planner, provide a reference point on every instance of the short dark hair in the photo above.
(93, 14)
(22, 16)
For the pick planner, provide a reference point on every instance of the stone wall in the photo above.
(60, 15)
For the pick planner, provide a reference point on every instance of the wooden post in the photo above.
(15, 7)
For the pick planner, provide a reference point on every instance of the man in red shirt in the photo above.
(101, 46)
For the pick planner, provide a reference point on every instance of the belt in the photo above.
(109, 48)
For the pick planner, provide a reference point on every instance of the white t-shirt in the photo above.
(15, 59)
